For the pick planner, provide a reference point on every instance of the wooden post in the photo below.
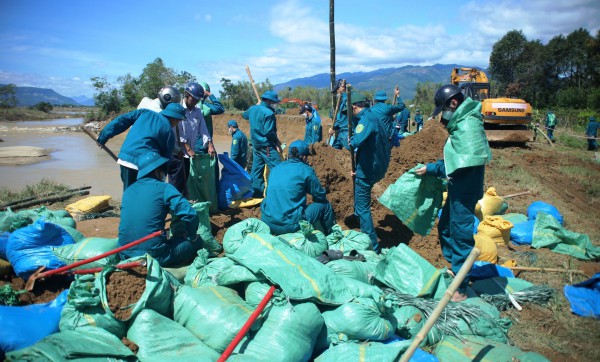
(332, 48)
(252, 83)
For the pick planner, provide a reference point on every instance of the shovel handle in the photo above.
(129, 265)
(93, 136)
(98, 257)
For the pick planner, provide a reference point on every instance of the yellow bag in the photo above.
(496, 228)
(489, 251)
(88, 205)
(490, 204)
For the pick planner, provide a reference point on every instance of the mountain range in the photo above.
(406, 78)
(29, 96)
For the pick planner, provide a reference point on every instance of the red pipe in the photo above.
(247, 325)
(97, 257)
(129, 265)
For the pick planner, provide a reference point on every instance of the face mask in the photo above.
(447, 116)
(230, 131)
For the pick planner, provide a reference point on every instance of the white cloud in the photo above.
(207, 17)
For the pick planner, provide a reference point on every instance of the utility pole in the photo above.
(332, 48)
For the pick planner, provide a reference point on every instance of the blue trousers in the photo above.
(128, 176)
(362, 209)
(551, 132)
(592, 145)
(175, 252)
(455, 227)
(419, 126)
(341, 141)
(262, 156)
(179, 172)
(320, 213)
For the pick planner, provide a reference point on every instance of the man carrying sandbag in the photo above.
(465, 155)
(144, 208)
(285, 203)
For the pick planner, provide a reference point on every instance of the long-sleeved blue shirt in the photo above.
(385, 113)
(289, 183)
(210, 108)
(313, 131)
(144, 208)
(150, 132)
(373, 147)
(239, 148)
(263, 125)
(592, 129)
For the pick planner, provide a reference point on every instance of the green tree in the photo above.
(505, 54)
(106, 97)
(424, 97)
(155, 76)
(43, 106)
(130, 90)
(8, 97)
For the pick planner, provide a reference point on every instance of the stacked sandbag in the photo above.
(490, 204)
(308, 240)
(347, 240)
(88, 248)
(217, 271)
(487, 247)
(236, 233)
(496, 228)
(478, 348)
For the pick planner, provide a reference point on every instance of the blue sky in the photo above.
(60, 44)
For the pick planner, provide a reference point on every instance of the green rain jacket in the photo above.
(467, 144)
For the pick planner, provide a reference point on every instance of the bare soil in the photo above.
(550, 330)
(124, 288)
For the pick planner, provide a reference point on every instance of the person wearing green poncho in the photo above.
(465, 155)
(550, 124)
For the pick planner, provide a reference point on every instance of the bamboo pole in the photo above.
(544, 134)
(49, 199)
(46, 195)
(332, 47)
(462, 273)
(93, 136)
(252, 83)
(517, 194)
(558, 270)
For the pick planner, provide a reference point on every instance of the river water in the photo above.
(75, 159)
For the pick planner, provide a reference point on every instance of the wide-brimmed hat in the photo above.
(270, 95)
(150, 162)
(174, 110)
(301, 146)
(592, 118)
(381, 96)
(232, 123)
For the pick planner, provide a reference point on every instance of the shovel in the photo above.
(40, 274)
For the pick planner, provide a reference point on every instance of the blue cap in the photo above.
(232, 123)
(381, 96)
(592, 118)
(270, 95)
(301, 146)
(174, 110)
(150, 162)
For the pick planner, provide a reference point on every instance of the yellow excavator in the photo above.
(504, 119)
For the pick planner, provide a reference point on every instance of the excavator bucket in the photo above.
(509, 135)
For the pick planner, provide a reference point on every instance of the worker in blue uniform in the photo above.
(285, 203)
(372, 146)
(266, 147)
(239, 144)
(591, 132)
(403, 117)
(150, 132)
(418, 120)
(465, 155)
(313, 131)
(340, 126)
(144, 207)
(386, 112)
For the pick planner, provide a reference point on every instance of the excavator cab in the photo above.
(477, 91)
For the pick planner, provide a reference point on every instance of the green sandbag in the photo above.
(158, 294)
(214, 314)
(11, 221)
(407, 272)
(370, 351)
(256, 291)
(481, 349)
(549, 233)
(356, 288)
(348, 240)
(204, 228)
(218, 271)
(360, 319)
(351, 269)
(515, 218)
(84, 308)
(236, 233)
(415, 200)
(298, 275)
(489, 324)
(60, 217)
(88, 248)
(75, 234)
(308, 240)
(162, 339)
(84, 344)
(288, 333)
(201, 183)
